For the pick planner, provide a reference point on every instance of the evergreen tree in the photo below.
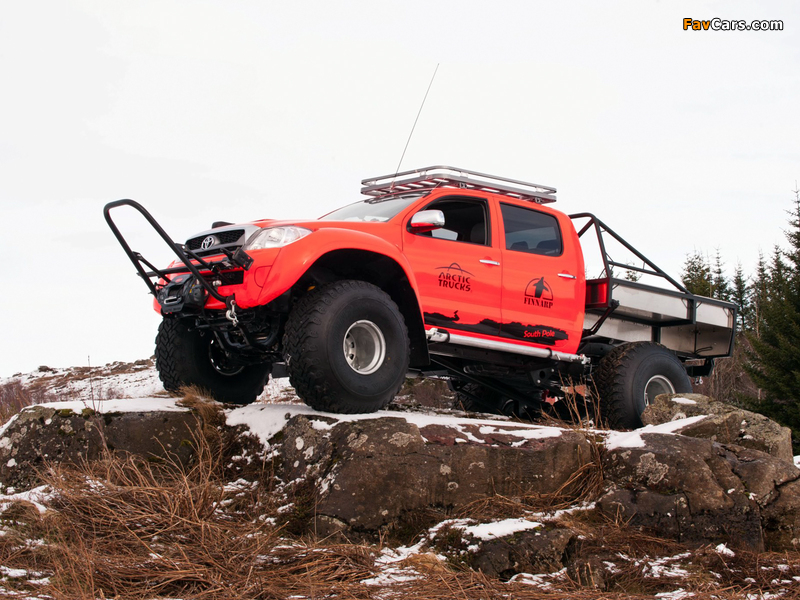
(696, 275)
(775, 360)
(740, 295)
(759, 294)
(720, 288)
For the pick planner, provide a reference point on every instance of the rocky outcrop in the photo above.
(693, 489)
(69, 432)
(369, 472)
(723, 423)
(365, 475)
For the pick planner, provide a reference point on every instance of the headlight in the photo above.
(275, 237)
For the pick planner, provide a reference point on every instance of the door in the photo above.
(458, 266)
(543, 283)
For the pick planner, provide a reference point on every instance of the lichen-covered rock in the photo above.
(543, 550)
(503, 548)
(368, 472)
(724, 423)
(49, 434)
(693, 489)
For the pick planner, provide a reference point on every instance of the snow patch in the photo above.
(37, 496)
(498, 529)
(120, 405)
(266, 420)
(633, 439)
(724, 550)
(681, 400)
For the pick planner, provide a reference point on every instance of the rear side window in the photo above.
(531, 231)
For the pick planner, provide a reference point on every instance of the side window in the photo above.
(531, 231)
(465, 220)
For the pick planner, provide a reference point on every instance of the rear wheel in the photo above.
(631, 376)
(187, 356)
(346, 348)
(472, 397)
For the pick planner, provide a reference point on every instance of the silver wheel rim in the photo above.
(657, 384)
(364, 347)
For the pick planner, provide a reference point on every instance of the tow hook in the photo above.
(230, 314)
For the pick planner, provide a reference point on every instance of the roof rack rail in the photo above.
(429, 178)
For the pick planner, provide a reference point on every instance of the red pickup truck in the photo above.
(437, 272)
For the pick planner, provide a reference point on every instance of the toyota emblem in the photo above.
(208, 241)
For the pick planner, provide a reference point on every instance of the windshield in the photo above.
(373, 209)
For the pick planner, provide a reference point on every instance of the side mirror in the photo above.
(426, 220)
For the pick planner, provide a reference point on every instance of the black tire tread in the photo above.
(180, 362)
(463, 399)
(166, 355)
(301, 335)
(609, 379)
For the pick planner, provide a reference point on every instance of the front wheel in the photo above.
(187, 356)
(631, 376)
(346, 348)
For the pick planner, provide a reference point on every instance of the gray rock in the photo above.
(367, 475)
(725, 423)
(370, 472)
(42, 435)
(532, 551)
(692, 489)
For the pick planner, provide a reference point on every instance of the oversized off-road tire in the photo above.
(472, 397)
(630, 377)
(346, 348)
(188, 356)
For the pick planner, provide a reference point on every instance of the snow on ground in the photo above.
(119, 405)
(37, 497)
(114, 380)
(633, 439)
(266, 420)
(682, 400)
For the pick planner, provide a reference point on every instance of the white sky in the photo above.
(236, 110)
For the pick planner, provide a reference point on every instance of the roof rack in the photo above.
(444, 176)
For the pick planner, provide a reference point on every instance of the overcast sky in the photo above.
(237, 110)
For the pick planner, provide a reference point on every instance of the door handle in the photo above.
(486, 261)
(567, 276)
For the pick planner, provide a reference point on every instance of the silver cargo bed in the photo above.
(621, 310)
(691, 326)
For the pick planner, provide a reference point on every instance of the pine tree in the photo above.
(696, 275)
(759, 294)
(775, 360)
(720, 288)
(740, 295)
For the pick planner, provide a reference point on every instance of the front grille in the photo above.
(229, 236)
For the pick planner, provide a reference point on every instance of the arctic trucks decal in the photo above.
(455, 278)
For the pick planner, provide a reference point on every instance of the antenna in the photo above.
(415, 121)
